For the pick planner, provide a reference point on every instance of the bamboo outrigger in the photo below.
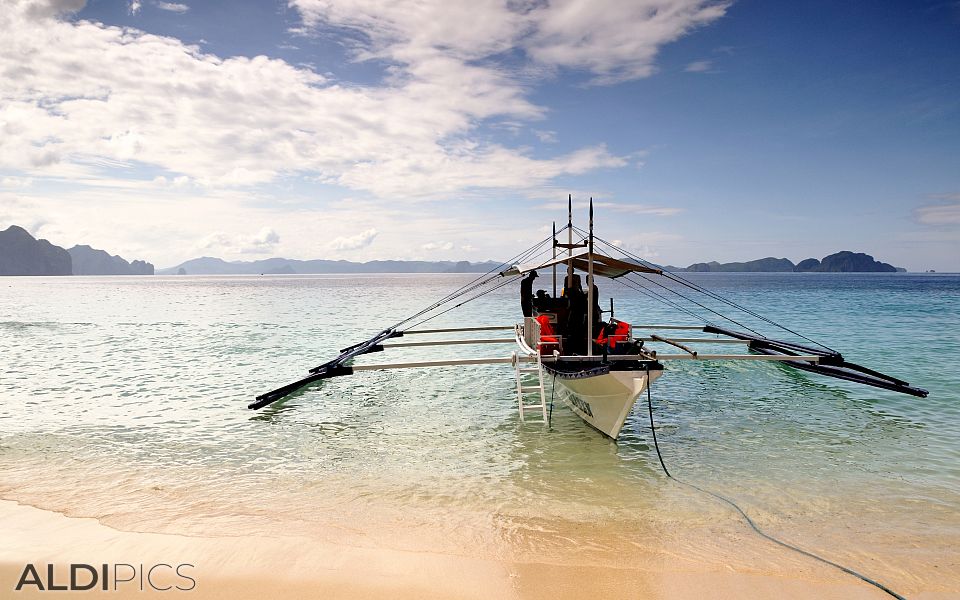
(599, 379)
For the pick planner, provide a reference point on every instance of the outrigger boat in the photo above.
(599, 369)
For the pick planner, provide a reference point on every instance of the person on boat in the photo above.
(526, 294)
(597, 313)
(541, 301)
(577, 318)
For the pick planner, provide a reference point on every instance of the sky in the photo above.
(454, 130)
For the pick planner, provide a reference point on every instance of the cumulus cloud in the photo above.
(134, 6)
(75, 92)
(220, 242)
(45, 9)
(614, 40)
(262, 243)
(430, 246)
(354, 242)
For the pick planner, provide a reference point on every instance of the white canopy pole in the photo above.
(449, 343)
(453, 329)
(554, 258)
(590, 284)
(444, 363)
(569, 283)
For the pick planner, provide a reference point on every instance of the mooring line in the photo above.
(746, 517)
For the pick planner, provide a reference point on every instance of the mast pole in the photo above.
(590, 284)
(569, 284)
(554, 258)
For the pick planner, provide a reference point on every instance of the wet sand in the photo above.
(297, 566)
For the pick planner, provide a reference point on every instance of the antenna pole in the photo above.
(590, 298)
(554, 257)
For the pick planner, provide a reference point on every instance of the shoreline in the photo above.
(304, 567)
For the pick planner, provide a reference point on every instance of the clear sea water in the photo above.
(124, 399)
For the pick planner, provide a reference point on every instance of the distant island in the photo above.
(90, 261)
(841, 262)
(22, 254)
(287, 266)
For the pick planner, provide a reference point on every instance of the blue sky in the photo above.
(454, 130)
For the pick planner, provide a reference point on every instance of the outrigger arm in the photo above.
(338, 367)
(806, 358)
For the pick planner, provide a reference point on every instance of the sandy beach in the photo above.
(303, 567)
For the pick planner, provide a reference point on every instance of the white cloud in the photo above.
(263, 242)
(78, 108)
(547, 137)
(615, 40)
(649, 245)
(45, 9)
(431, 246)
(173, 7)
(134, 6)
(222, 243)
(637, 209)
(699, 66)
(77, 92)
(354, 242)
(16, 182)
(945, 212)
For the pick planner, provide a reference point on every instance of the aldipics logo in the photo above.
(118, 577)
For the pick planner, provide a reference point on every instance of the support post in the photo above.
(590, 284)
(554, 258)
(569, 283)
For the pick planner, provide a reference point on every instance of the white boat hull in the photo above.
(604, 401)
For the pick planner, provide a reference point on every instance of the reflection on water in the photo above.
(125, 399)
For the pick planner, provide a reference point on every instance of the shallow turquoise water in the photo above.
(125, 399)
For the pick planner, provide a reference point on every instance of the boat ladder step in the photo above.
(536, 398)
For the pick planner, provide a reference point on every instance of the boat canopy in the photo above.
(603, 265)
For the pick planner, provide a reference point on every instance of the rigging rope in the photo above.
(628, 283)
(688, 299)
(699, 288)
(476, 283)
(747, 518)
(526, 255)
(455, 306)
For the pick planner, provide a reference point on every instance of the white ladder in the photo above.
(523, 390)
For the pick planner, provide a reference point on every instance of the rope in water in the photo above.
(746, 517)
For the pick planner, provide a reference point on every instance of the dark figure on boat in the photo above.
(526, 294)
(597, 313)
(576, 326)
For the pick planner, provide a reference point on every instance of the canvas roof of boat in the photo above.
(603, 265)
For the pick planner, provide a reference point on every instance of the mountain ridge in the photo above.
(23, 254)
(844, 261)
(207, 265)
